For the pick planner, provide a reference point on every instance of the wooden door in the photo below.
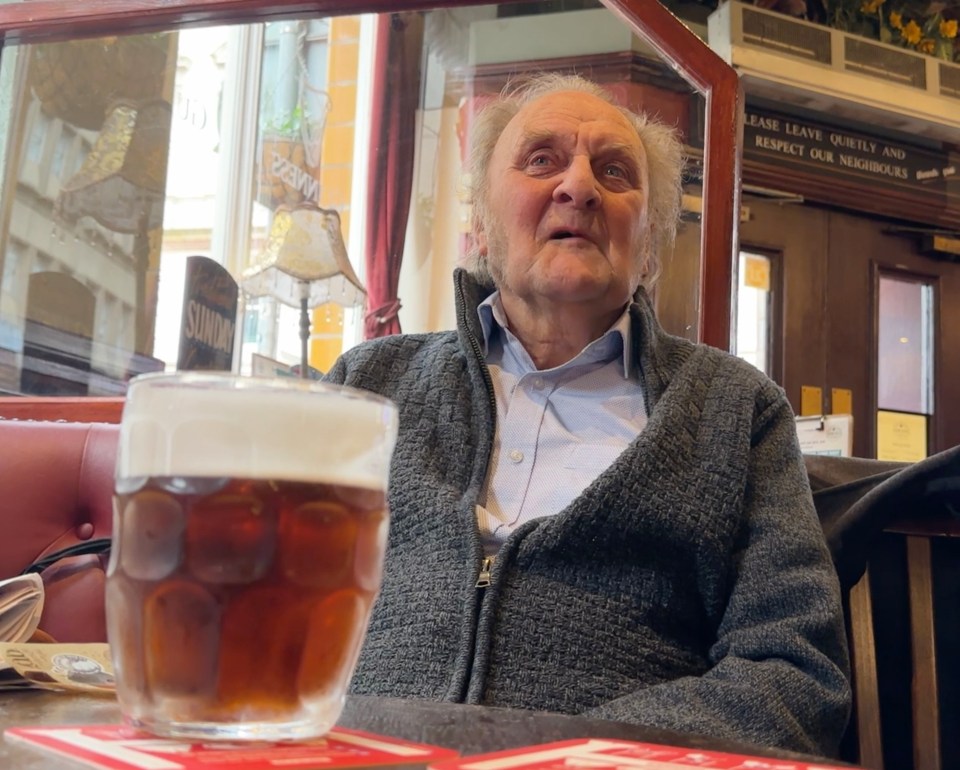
(861, 250)
(830, 267)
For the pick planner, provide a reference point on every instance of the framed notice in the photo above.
(901, 437)
(826, 434)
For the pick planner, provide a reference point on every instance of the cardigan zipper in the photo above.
(486, 564)
(482, 584)
(483, 579)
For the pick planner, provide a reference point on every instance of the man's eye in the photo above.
(540, 159)
(616, 170)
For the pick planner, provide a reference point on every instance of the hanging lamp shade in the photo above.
(305, 257)
(122, 185)
(122, 181)
(77, 80)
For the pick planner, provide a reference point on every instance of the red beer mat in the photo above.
(118, 747)
(596, 754)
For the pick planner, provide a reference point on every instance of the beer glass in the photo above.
(250, 521)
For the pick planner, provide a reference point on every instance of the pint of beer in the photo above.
(249, 529)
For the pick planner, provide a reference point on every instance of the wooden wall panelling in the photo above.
(849, 312)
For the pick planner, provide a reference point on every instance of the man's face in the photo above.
(566, 213)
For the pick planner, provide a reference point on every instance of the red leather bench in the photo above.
(56, 485)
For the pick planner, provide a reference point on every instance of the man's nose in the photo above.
(578, 185)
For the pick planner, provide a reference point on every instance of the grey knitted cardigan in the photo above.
(688, 587)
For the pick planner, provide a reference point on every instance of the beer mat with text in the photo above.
(118, 747)
(598, 754)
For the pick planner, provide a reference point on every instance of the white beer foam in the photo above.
(255, 430)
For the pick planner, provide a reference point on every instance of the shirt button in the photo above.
(516, 455)
(538, 383)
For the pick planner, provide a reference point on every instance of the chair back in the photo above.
(894, 531)
(56, 484)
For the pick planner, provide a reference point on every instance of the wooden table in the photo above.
(469, 729)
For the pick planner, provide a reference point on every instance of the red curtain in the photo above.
(396, 97)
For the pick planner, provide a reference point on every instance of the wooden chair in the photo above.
(895, 537)
(904, 729)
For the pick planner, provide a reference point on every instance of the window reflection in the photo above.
(905, 339)
(753, 310)
(78, 247)
(260, 117)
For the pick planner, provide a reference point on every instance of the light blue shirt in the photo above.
(557, 429)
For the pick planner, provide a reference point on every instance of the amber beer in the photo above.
(250, 525)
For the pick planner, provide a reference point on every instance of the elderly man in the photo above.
(589, 515)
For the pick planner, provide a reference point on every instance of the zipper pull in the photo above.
(483, 581)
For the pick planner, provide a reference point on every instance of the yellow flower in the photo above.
(896, 20)
(870, 6)
(948, 28)
(926, 45)
(911, 33)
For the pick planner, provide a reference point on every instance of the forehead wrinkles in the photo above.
(570, 125)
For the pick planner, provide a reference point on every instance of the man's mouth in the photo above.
(563, 234)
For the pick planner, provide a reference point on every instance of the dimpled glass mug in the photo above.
(250, 521)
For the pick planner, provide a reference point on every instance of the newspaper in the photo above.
(21, 602)
(74, 667)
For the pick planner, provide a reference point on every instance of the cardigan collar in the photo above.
(653, 348)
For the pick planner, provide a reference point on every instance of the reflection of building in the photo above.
(93, 256)
(133, 268)
(58, 363)
(84, 337)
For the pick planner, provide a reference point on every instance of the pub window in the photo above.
(117, 243)
(294, 103)
(224, 92)
(905, 340)
(754, 300)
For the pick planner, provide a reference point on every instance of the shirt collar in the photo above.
(613, 344)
